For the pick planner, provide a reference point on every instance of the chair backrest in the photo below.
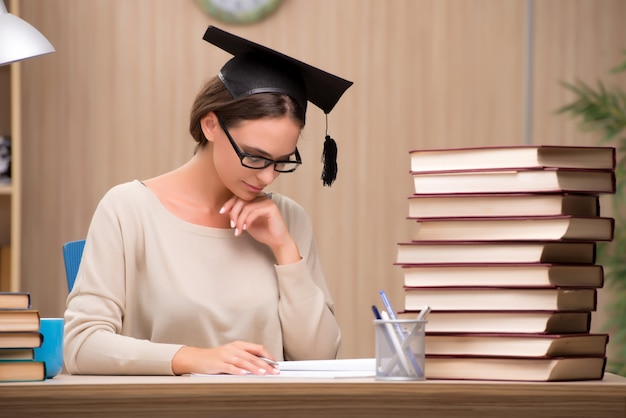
(72, 254)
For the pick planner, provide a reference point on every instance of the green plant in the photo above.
(604, 109)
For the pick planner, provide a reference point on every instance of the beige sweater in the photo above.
(150, 283)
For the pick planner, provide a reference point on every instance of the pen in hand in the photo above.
(269, 361)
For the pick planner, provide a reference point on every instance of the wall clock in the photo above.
(239, 11)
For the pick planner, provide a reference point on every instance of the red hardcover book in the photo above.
(500, 299)
(544, 228)
(503, 275)
(515, 344)
(496, 252)
(428, 206)
(549, 180)
(546, 369)
(537, 322)
(513, 157)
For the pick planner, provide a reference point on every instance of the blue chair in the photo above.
(72, 254)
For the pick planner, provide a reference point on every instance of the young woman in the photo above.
(199, 270)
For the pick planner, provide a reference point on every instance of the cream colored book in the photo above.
(552, 228)
(538, 322)
(518, 345)
(515, 181)
(502, 204)
(476, 252)
(521, 156)
(515, 369)
(500, 299)
(503, 275)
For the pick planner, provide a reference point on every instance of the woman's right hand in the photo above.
(238, 358)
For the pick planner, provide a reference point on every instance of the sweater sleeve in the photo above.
(306, 309)
(93, 341)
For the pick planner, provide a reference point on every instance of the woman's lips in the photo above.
(253, 189)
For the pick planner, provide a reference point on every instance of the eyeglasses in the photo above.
(258, 163)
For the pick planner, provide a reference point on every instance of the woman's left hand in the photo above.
(261, 218)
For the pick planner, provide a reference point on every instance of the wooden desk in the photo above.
(186, 396)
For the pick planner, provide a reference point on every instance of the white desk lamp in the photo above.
(18, 39)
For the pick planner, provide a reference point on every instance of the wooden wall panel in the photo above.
(111, 105)
(586, 44)
(574, 39)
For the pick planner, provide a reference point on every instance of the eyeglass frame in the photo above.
(267, 161)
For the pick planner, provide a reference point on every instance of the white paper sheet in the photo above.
(342, 368)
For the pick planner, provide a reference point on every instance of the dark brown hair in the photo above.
(215, 98)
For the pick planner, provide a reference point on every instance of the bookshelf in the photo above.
(10, 197)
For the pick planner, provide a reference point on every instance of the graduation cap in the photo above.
(256, 69)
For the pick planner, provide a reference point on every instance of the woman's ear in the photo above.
(209, 124)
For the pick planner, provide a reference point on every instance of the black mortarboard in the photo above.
(255, 69)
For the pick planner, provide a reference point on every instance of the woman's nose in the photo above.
(268, 174)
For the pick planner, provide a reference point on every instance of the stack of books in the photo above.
(504, 254)
(19, 336)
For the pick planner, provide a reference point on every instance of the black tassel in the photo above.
(329, 158)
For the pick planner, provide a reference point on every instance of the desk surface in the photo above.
(188, 396)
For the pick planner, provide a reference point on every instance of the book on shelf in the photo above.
(22, 370)
(503, 275)
(515, 181)
(14, 300)
(472, 252)
(500, 299)
(545, 369)
(502, 204)
(514, 156)
(544, 228)
(17, 354)
(19, 320)
(518, 345)
(20, 339)
(537, 322)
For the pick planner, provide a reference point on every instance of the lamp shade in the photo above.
(18, 39)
